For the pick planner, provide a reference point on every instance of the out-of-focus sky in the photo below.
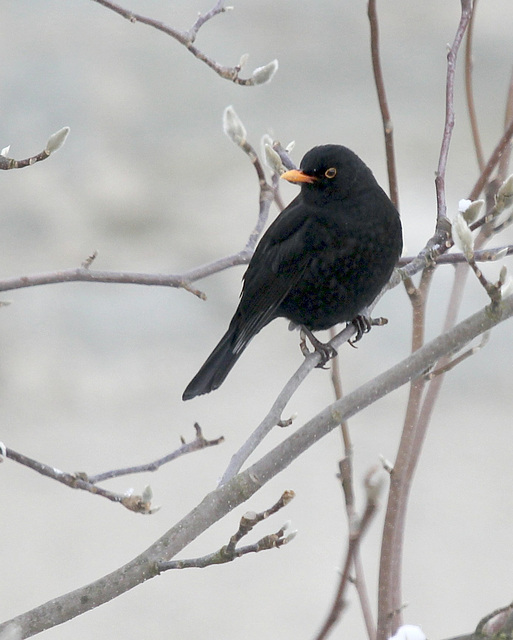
(91, 375)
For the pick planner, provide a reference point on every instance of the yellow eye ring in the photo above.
(330, 173)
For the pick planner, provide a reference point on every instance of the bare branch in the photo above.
(139, 504)
(228, 496)
(484, 255)
(347, 482)
(55, 142)
(230, 551)
(355, 538)
(470, 92)
(383, 103)
(84, 274)
(466, 12)
(494, 159)
(260, 75)
(200, 442)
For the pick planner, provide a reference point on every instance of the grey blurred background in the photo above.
(91, 374)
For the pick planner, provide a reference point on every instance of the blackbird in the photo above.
(322, 261)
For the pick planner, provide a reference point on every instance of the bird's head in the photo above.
(329, 169)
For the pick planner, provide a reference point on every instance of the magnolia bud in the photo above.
(233, 127)
(56, 140)
(261, 75)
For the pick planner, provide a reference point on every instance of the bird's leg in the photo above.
(325, 350)
(363, 324)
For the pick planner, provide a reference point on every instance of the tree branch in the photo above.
(388, 127)
(240, 488)
(466, 12)
(260, 75)
(139, 504)
(230, 551)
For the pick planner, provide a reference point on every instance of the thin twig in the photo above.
(230, 551)
(355, 538)
(273, 417)
(187, 38)
(502, 171)
(483, 255)
(199, 442)
(84, 274)
(53, 144)
(388, 128)
(226, 498)
(494, 159)
(466, 12)
(139, 504)
(390, 598)
(470, 92)
(390, 573)
(346, 474)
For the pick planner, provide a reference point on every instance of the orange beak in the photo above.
(297, 176)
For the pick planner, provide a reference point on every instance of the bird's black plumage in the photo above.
(322, 261)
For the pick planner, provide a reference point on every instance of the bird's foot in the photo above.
(325, 350)
(363, 325)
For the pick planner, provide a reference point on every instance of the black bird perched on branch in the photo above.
(322, 261)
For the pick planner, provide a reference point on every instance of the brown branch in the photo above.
(494, 159)
(84, 274)
(508, 119)
(390, 572)
(183, 281)
(55, 142)
(138, 504)
(187, 38)
(225, 498)
(199, 442)
(346, 473)
(483, 255)
(383, 103)
(230, 551)
(470, 92)
(466, 12)
(353, 546)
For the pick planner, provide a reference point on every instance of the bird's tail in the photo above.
(217, 366)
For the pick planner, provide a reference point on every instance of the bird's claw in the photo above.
(325, 350)
(363, 325)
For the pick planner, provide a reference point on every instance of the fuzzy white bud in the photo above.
(463, 205)
(387, 464)
(290, 537)
(233, 127)
(264, 74)
(499, 254)
(462, 236)
(147, 494)
(5, 151)
(506, 189)
(273, 159)
(470, 209)
(56, 140)
(290, 146)
(507, 287)
(409, 632)
(243, 60)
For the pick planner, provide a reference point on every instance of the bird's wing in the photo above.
(277, 265)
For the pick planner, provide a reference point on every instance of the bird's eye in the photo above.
(330, 173)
